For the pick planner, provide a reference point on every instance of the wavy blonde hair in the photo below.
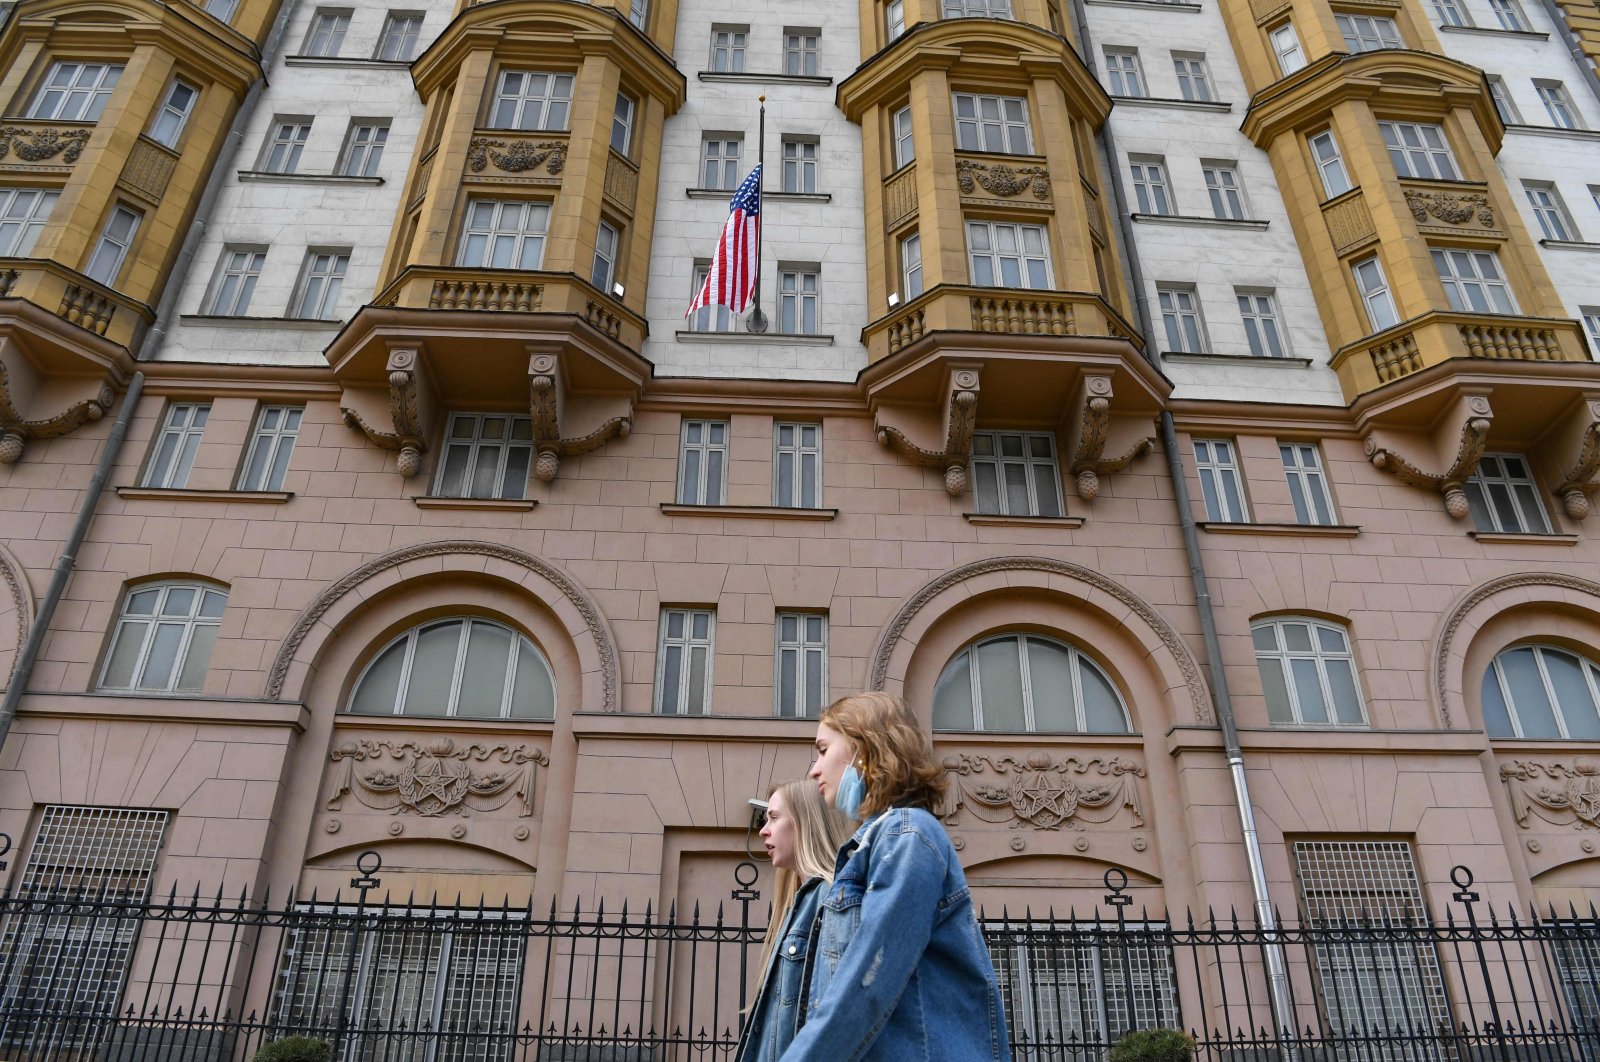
(893, 751)
(819, 832)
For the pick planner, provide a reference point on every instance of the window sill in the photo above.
(226, 321)
(1553, 130)
(306, 178)
(447, 723)
(256, 497)
(1491, 31)
(752, 512)
(351, 61)
(498, 505)
(1201, 221)
(1285, 362)
(1510, 538)
(1228, 527)
(791, 338)
(788, 197)
(1065, 523)
(1165, 5)
(764, 79)
(1164, 101)
(1570, 245)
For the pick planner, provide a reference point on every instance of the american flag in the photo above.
(731, 278)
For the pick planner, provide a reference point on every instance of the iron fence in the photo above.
(97, 976)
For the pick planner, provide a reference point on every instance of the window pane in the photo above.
(1496, 719)
(432, 670)
(1308, 688)
(124, 654)
(483, 675)
(1275, 690)
(788, 681)
(1000, 685)
(533, 694)
(952, 697)
(1527, 694)
(1572, 694)
(377, 692)
(1050, 680)
(198, 657)
(1102, 709)
(671, 677)
(1346, 701)
(696, 701)
(163, 657)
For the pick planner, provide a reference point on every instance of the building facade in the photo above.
(432, 527)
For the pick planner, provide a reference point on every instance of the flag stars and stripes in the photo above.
(731, 278)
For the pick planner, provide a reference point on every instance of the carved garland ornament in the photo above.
(1448, 208)
(21, 599)
(1042, 792)
(1002, 180)
(1474, 440)
(592, 619)
(436, 778)
(519, 157)
(916, 602)
(16, 430)
(1559, 793)
(43, 143)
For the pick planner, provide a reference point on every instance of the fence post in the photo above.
(368, 863)
(1461, 875)
(746, 895)
(1116, 880)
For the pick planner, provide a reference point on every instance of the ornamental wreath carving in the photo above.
(1042, 792)
(1558, 793)
(1451, 209)
(436, 778)
(1002, 180)
(519, 157)
(42, 143)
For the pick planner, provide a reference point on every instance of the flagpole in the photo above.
(757, 321)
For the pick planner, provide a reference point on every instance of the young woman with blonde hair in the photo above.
(900, 969)
(802, 834)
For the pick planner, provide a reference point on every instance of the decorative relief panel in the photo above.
(435, 778)
(516, 156)
(1455, 210)
(1001, 180)
(42, 145)
(1561, 794)
(1041, 792)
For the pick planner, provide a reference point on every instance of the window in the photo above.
(622, 124)
(800, 51)
(1220, 485)
(23, 213)
(797, 301)
(163, 639)
(716, 318)
(321, 278)
(1550, 211)
(1024, 682)
(1123, 73)
(222, 10)
(1375, 296)
(1591, 324)
(486, 455)
(1014, 473)
(175, 447)
(977, 8)
(799, 165)
(1577, 956)
(727, 49)
(1419, 151)
(1180, 316)
(606, 242)
(237, 273)
(797, 465)
(504, 234)
(905, 150)
(1286, 45)
(1194, 82)
(460, 668)
(683, 664)
(1325, 153)
(401, 31)
(115, 239)
(1557, 104)
(638, 13)
(1001, 254)
(327, 32)
(894, 18)
(1472, 280)
(720, 162)
(267, 460)
(1308, 484)
(1509, 12)
(1150, 186)
(283, 150)
(527, 99)
(911, 266)
(1450, 13)
(802, 664)
(703, 462)
(1502, 99)
(1307, 673)
(75, 92)
(1259, 311)
(992, 123)
(1367, 33)
(363, 149)
(1539, 691)
(1222, 185)
(173, 114)
(1365, 883)
(1504, 498)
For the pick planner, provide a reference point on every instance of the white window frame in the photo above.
(1263, 323)
(221, 10)
(622, 115)
(911, 266)
(1308, 484)
(707, 442)
(1591, 324)
(282, 151)
(1286, 46)
(277, 428)
(1373, 286)
(402, 32)
(1182, 319)
(325, 35)
(1078, 659)
(607, 248)
(894, 19)
(687, 644)
(189, 624)
(541, 99)
(1451, 13)
(1027, 261)
(1328, 160)
(1558, 104)
(321, 282)
(1419, 150)
(363, 148)
(800, 155)
(1124, 72)
(639, 13)
(1225, 189)
(172, 454)
(1550, 211)
(111, 250)
(1320, 657)
(464, 435)
(976, 9)
(1367, 33)
(520, 644)
(1473, 280)
(713, 318)
(1558, 708)
(1500, 93)
(990, 464)
(74, 92)
(1151, 189)
(1007, 124)
(238, 270)
(1513, 476)
(1194, 77)
(166, 128)
(728, 44)
(801, 48)
(492, 231)
(24, 212)
(720, 166)
(802, 648)
(905, 146)
(1511, 16)
(800, 300)
(1217, 463)
(805, 476)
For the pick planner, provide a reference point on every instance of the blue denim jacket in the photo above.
(777, 1012)
(901, 971)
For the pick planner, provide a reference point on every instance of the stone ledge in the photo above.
(1330, 740)
(442, 723)
(1493, 31)
(1553, 130)
(742, 78)
(1065, 523)
(505, 505)
(804, 339)
(1229, 527)
(755, 512)
(645, 725)
(1570, 245)
(306, 178)
(1200, 220)
(165, 707)
(1208, 358)
(1220, 106)
(351, 61)
(1508, 538)
(233, 321)
(256, 497)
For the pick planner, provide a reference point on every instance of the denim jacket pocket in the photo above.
(841, 915)
(791, 965)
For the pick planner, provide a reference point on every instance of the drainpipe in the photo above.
(1569, 37)
(1266, 916)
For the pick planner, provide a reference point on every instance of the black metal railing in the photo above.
(211, 979)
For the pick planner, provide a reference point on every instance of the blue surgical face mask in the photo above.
(852, 791)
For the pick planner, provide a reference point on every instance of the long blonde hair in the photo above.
(819, 832)
(895, 752)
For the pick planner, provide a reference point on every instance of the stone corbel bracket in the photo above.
(547, 401)
(1580, 451)
(404, 416)
(20, 390)
(1473, 416)
(960, 417)
(1089, 428)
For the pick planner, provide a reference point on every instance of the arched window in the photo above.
(1539, 691)
(163, 639)
(1023, 682)
(1307, 673)
(471, 668)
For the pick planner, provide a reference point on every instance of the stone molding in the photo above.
(1473, 441)
(1042, 792)
(1091, 408)
(434, 778)
(960, 418)
(1562, 794)
(16, 581)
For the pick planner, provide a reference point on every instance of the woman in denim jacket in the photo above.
(802, 833)
(900, 969)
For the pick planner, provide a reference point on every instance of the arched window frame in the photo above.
(1078, 660)
(1591, 674)
(209, 598)
(1321, 657)
(519, 643)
